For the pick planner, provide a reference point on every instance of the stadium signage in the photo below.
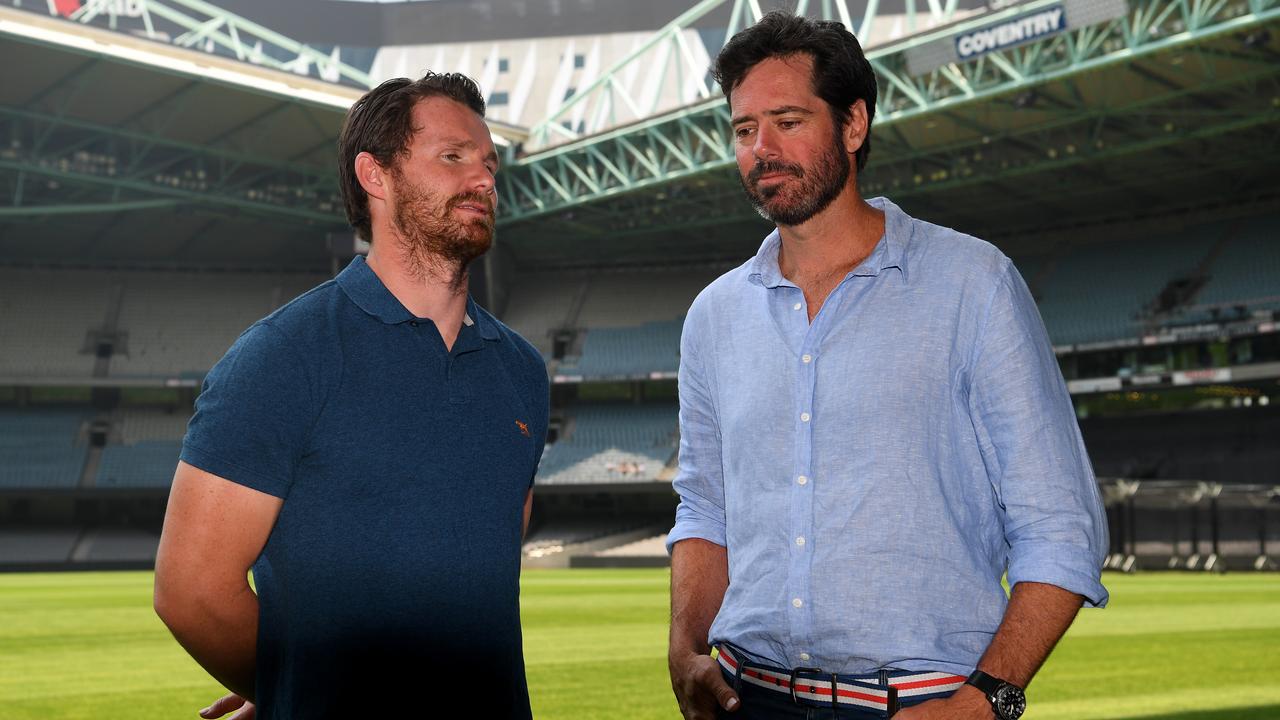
(1019, 30)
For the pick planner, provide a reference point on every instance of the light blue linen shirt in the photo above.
(875, 473)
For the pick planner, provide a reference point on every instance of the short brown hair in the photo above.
(841, 73)
(381, 124)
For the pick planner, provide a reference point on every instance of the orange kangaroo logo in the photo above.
(524, 429)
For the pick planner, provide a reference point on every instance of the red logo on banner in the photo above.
(66, 7)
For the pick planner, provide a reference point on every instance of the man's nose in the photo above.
(765, 147)
(483, 181)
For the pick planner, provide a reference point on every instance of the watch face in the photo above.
(1009, 702)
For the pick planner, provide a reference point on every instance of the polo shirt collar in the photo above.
(366, 290)
(890, 252)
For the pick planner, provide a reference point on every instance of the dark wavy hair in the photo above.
(381, 124)
(841, 73)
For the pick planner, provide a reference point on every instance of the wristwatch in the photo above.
(1007, 700)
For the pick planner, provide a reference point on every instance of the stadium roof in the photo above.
(1155, 108)
(453, 21)
(119, 149)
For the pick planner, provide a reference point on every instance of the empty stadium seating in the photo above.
(45, 318)
(143, 448)
(628, 352)
(37, 545)
(117, 545)
(655, 546)
(541, 303)
(41, 448)
(570, 532)
(181, 324)
(1247, 273)
(626, 323)
(76, 546)
(1098, 291)
(165, 324)
(1226, 446)
(612, 443)
(1111, 288)
(145, 464)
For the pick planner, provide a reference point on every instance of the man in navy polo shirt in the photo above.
(369, 451)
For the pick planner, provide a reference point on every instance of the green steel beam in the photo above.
(1156, 137)
(1074, 141)
(667, 55)
(85, 208)
(48, 123)
(187, 196)
(209, 26)
(156, 168)
(632, 158)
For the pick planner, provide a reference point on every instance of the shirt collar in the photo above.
(366, 290)
(890, 252)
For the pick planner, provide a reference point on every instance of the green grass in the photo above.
(1187, 647)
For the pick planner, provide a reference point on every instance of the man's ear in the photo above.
(855, 130)
(371, 176)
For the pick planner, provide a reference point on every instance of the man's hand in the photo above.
(699, 686)
(967, 703)
(699, 578)
(226, 704)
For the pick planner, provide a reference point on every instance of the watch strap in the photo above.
(984, 682)
(999, 693)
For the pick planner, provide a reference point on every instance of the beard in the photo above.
(791, 203)
(434, 241)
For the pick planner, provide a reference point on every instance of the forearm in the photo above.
(528, 510)
(699, 579)
(218, 627)
(1037, 617)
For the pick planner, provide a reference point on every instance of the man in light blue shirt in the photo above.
(874, 430)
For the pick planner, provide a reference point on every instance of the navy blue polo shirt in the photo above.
(391, 577)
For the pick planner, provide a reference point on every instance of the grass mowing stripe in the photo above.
(1220, 703)
(1174, 646)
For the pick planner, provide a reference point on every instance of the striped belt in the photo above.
(826, 689)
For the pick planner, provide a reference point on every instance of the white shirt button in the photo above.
(802, 480)
(800, 541)
(796, 602)
(796, 306)
(807, 359)
(804, 417)
(804, 656)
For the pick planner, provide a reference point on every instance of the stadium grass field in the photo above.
(1187, 647)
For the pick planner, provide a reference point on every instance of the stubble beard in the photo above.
(818, 187)
(433, 242)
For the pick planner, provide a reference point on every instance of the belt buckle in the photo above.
(794, 673)
(891, 701)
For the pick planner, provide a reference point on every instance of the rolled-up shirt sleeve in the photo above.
(1053, 516)
(700, 479)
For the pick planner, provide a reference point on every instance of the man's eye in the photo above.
(742, 132)
(788, 124)
(452, 156)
